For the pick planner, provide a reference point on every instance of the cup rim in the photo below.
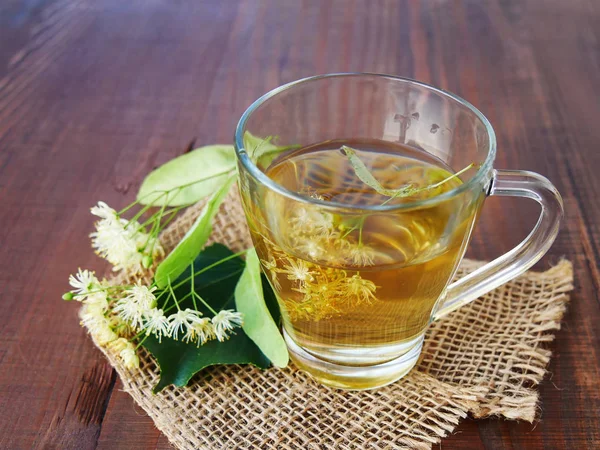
(261, 177)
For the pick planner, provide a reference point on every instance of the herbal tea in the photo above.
(356, 281)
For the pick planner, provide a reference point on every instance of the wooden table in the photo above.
(94, 94)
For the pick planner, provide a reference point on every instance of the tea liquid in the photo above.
(355, 279)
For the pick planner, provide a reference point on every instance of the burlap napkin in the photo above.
(484, 359)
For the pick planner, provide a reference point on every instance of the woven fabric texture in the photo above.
(484, 359)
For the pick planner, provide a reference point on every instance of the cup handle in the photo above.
(511, 183)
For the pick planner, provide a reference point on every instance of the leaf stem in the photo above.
(204, 269)
(141, 342)
(173, 212)
(193, 289)
(173, 293)
(457, 174)
(205, 303)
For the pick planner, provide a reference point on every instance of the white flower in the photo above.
(226, 320)
(312, 220)
(156, 323)
(126, 352)
(359, 288)
(83, 283)
(362, 255)
(270, 266)
(301, 217)
(104, 211)
(142, 295)
(203, 331)
(105, 335)
(121, 242)
(97, 324)
(130, 357)
(297, 270)
(91, 317)
(97, 300)
(310, 247)
(130, 312)
(138, 301)
(117, 244)
(182, 321)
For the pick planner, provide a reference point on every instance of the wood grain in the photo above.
(94, 94)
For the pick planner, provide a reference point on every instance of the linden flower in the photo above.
(156, 323)
(200, 331)
(120, 241)
(98, 300)
(91, 317)
(297, 270)
(103, 211)
(97, 324)
(142, 295)
(311, 248)
(359, 288)
(204, 331)
(226, 320)
(83, 283)
(270, 264)
(310, 220)
(126, 352)
(271, 268)
(182, 321)
(138, 301)
(130, 357)
(362, 255)
(300, 217)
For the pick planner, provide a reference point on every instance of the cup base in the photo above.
(349, 377)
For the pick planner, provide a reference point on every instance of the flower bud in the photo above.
(147, 261)
(68, 296)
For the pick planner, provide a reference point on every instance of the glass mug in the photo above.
(359, 283)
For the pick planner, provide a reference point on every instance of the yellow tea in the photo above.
(358, 286)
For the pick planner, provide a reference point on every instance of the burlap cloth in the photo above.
(484, 359)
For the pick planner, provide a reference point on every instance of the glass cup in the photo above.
(347, 321)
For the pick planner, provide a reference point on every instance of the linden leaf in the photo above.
(363, 173)
(258, 322)
(188, 178)
(261, 150)
(180, 361)
(193, 241)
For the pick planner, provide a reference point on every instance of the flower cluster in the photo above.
(121, 242)
(119, 315)
(94, 313)
(112, 312)
(315, 292)
(138, 309)
(327, 281)
(315, 234)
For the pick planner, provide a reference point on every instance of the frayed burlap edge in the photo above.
(484, 359)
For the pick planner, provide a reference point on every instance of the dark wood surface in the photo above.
(95, 93)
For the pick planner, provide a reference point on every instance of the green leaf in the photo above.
(261, 150)
(197, 174)
(258, 322)
(180, 361)
(363, 173)
(193, 241)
